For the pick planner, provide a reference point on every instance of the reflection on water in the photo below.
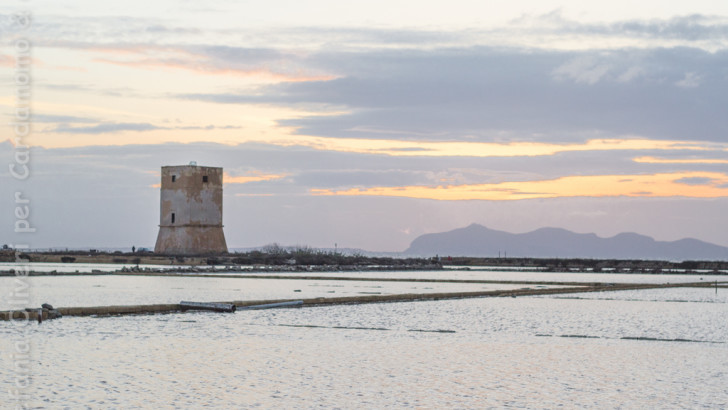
(703, 295)
(107, 290)
(517, 276)
(542, 352)
(448, 273)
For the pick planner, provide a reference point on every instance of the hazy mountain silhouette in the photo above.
(477, 240)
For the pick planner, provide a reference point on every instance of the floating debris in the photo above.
(46, 312)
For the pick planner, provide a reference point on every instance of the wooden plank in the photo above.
(214, 307)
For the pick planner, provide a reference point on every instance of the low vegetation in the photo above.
(276, 255)
(304, 255)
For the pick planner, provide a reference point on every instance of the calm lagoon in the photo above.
(664, 348)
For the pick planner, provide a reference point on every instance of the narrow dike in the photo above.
(32, 314)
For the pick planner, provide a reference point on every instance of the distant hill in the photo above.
(477, 240)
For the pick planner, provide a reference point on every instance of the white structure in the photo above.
(190, 221)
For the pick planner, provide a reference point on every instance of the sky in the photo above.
(365, 124)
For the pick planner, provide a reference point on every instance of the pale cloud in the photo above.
(105, 128)
(700, 181)
(51, 118)
(631, 74)
(691, 80)
(691, 185)
(268, 65)
(488, 94)
(545, 29)
(653, 160)
(485, 149)
(582, 70)
(454, 84)
(250, 177)
(110, 128)
(263, 74)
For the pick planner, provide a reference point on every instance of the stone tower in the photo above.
(190, 220)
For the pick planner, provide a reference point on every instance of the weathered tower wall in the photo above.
(190, 220)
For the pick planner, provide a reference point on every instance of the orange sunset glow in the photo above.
(437, 118)
(658, 185)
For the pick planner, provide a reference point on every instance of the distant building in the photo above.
(190, 221)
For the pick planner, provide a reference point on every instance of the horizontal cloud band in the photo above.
(682, 184)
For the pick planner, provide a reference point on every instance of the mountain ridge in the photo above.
(548, 242)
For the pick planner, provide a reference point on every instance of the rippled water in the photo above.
(663, 348)
(700, 295)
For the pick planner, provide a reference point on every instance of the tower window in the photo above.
(204, 178)
(174, 177)
(172, 217)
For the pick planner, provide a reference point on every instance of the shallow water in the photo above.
(477, 273)
(701, 295)
(644, 350)
(79, 267)
(109, 290)
(513, 276)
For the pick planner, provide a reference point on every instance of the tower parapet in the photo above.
(190, 218)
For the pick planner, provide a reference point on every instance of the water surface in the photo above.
(661, 348)
(108, 290)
